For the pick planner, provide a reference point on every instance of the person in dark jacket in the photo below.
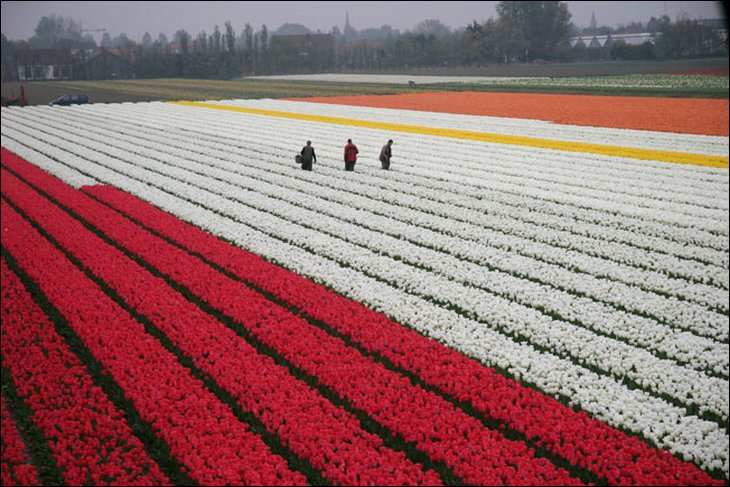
(308, 156)
(385, 154)
(350, 155)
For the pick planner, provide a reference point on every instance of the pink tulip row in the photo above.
(473, 452)
(87, 434)
(584, 442)
(202, 433)
(310, 425)
(15, 467)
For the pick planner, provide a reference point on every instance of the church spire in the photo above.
(349, 33)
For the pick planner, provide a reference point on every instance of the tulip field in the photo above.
(517, 301)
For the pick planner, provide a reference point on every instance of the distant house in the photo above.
(107, 64)
(44, 64)
(636, 39)
(592, 41)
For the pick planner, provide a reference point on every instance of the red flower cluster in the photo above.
(202, 433)
(88, 436)
(15, 468)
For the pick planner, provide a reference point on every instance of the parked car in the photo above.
(66, 100)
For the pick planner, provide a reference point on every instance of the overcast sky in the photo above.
(19, 19)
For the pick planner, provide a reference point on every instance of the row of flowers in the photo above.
(87, 434)
(679, 309)
(536, 416)
(307, 423)
(339, 367)
(358, 290)
(549, 374)
(15, 463)
(201, 432)
(705, 393)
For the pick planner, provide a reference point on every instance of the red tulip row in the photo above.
(87, 434)
(310, 425)
(445, 433)
(15, 467)
(582, 441)
(202, 433)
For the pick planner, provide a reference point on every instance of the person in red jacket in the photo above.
(350, 155)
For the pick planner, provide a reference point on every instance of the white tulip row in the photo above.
(690, 316)
(696, 351)
(663, 423)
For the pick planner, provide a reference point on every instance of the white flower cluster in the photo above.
(602, 280)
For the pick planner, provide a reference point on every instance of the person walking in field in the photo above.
(350, 155)
(308, 156)
(385, 154)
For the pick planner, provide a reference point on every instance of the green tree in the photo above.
(264, 46)
(541, 26)
(229, 54)
(9, 70)
(248, 53)
(230, 37)
(216, 38)
(201, 42)
(432, 27)
(53, 30)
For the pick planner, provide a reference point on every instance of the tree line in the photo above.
(523, 31)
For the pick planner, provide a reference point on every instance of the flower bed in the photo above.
(491, 297)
